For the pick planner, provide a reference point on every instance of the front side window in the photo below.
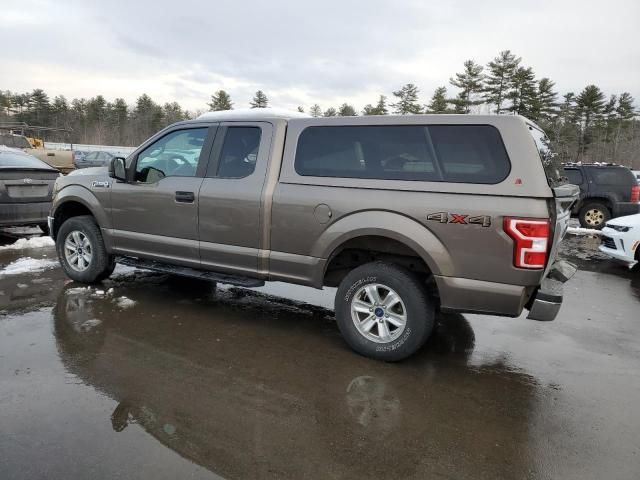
(239, 152)
(175, 155)
(437, 153)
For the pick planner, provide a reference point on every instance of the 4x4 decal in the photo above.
(460, 219)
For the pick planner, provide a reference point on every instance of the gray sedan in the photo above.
(26, 187)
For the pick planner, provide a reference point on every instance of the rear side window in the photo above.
(573, 175)
(437, 153)
(612, 176)
(239, 152)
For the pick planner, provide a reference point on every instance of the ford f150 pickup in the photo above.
(406, 215)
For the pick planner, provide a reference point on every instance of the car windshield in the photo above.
(14, 141)
(20, 160)
(550, 160)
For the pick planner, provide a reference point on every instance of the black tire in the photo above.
(594, 215)
(101, 264)
(418, 309)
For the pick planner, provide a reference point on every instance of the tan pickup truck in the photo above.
(406, 215)
(60, 159)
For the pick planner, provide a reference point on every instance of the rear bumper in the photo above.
(12, 214)
(622, 209)
(546, 302)
(477, 296)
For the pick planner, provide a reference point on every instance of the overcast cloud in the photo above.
(302, 52)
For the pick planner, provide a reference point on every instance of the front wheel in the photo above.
(81, 250)
(383, 311)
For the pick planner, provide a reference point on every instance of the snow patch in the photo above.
(90, 324)
(76, 290)
(33, 242)
(583, 231)
(28, 265)
(124, 302)
(125, 271)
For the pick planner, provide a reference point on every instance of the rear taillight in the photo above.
(530, 241)
(635, 194)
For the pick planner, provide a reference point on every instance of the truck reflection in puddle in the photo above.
(249, 385)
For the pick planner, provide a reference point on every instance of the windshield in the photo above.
(14, 141)
(550, 161)
(21, 160)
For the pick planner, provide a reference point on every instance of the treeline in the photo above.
(583, 126)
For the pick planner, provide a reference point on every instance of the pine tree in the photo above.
(330, 112)
(379, 109)
(346, 110)
(625, 113)
(39, 107)
(545, 106)
(499, 78)
(589, 108)
(407, 100)
(220, 101)
(260, 100)
(523, 92)
(300, 109)
(625, 109)
(470, 84)
(438, 103)
(315, 110)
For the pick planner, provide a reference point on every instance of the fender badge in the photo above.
(96, 184)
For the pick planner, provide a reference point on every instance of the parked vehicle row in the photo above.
(82, 159)
(61, 160)
(404, 214)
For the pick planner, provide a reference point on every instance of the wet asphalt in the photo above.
(163, 378)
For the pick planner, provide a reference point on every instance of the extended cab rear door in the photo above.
(230, 200)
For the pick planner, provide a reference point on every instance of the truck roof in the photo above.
(250, 114)
(253, 114)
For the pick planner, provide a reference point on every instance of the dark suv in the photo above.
(606, 191)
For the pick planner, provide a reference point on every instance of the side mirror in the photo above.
(117, 169)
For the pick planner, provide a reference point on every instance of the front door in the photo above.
(155, 214)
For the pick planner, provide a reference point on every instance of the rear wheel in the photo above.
(594, 215)
(383, 311)
(81, 250)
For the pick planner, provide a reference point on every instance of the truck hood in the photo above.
(84, 177)
(628, 221)
(89, 171)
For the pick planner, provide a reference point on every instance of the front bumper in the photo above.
(546, 302)
(618, 245)
(14, 214)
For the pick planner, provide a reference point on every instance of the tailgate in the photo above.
(564, 196)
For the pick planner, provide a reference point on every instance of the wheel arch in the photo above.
(387, 235)
(74, 201)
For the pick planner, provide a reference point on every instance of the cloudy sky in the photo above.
(301, 52)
